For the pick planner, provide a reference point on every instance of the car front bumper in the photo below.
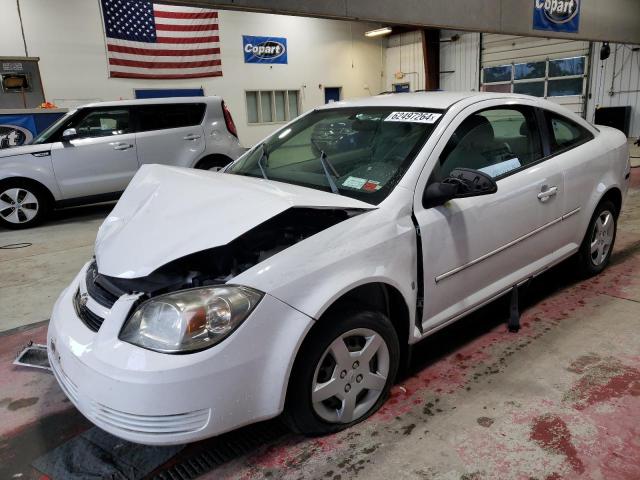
(161, 399)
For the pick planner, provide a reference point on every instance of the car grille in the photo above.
(98, 289)
(90, 319)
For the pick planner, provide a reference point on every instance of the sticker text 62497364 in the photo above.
(414, 117)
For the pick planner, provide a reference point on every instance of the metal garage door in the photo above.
(553, 68)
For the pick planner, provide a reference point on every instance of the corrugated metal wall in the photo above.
(508, 49)
(459, 61)
(404, 55)
(616, 82)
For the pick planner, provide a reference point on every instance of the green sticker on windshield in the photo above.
(354, 182)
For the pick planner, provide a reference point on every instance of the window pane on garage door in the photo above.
(524, 71)
(565, 67)
(496, 74)
(529, 88)
(564, 87)
(500, 88)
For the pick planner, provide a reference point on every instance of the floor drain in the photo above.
(33, 355)
(210, 454)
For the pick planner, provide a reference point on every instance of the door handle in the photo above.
(547, 192)
(122, 146)
(191, 136)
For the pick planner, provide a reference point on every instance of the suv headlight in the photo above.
(189, 320)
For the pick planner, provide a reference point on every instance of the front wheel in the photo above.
(22, 204)
(214, 163)
(596, 248)
(343, 373)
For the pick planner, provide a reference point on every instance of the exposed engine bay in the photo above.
(218, 265)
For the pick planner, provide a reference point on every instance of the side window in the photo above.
(494, 141)
(564, 133)
(104, 123)
(163, 117)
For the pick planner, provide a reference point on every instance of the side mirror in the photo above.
(69, 134)
(461, 183)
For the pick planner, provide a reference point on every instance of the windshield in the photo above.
(45, 135)
(357, 152)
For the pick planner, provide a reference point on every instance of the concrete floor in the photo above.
(559, 400)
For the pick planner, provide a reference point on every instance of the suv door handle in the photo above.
(191, 136)
(122, 146)
(547, 192)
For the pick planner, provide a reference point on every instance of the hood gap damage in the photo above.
(218, 265)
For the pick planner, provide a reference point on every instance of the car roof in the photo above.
(152, 101)
(435, 100)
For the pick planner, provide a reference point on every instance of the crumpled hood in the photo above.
(24, 150)
(169, 212)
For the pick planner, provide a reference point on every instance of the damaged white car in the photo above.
(297, 280)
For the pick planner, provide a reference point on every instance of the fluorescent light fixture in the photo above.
(378, 32)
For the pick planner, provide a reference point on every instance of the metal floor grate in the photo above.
(210, 454)
(33, 355)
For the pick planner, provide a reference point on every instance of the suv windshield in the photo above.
(357, 152)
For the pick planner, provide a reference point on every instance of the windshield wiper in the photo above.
(326, 166)
(263, 156)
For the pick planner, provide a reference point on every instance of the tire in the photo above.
(597, 245)
(213, 163)
(322, 362)
(23, 204)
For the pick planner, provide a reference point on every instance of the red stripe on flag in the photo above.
(162, 52)
(188, 39)
(138, 63)
(165, 76)
(187, 28)
(184, 15)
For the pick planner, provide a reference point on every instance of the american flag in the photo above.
(156, 41)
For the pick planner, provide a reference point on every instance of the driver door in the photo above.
(101, 159)
(478, 247)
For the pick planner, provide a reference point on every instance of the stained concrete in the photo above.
(558, 400)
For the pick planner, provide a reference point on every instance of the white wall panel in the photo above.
(616, 82)
(10, 36)
(404, 55)
(459, 61)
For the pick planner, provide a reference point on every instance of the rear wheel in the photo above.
(596, 248)
(213, 163)
(343, 373)
(22, 204)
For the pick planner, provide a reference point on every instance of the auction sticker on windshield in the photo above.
(414, 117)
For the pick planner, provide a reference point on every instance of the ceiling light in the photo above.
(378, 32)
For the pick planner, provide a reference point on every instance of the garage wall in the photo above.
(67, 36)
(404, 57)
(459, 61)
(616, 82)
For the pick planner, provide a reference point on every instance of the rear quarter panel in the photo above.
(591, 170)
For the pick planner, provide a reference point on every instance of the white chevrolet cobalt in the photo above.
(298, 279)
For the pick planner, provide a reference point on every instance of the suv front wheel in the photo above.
(22, 204)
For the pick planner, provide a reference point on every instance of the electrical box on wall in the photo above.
(20, 83)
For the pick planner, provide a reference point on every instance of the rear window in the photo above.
(163, 117)
(564, 133)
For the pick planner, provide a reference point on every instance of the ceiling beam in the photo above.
(610, 20)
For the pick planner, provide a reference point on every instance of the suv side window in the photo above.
(564, 134)
(163, 117)
(103, 123)
(495, 141)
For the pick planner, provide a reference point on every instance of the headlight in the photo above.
(189, 320)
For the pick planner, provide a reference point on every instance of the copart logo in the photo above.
(559, 11)
(266, 50)
(14, 136)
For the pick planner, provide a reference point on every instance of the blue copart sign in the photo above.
(556, 15)
(264, 49)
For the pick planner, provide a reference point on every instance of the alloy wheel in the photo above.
(602, 237)
(350, 376)
(18, 205)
